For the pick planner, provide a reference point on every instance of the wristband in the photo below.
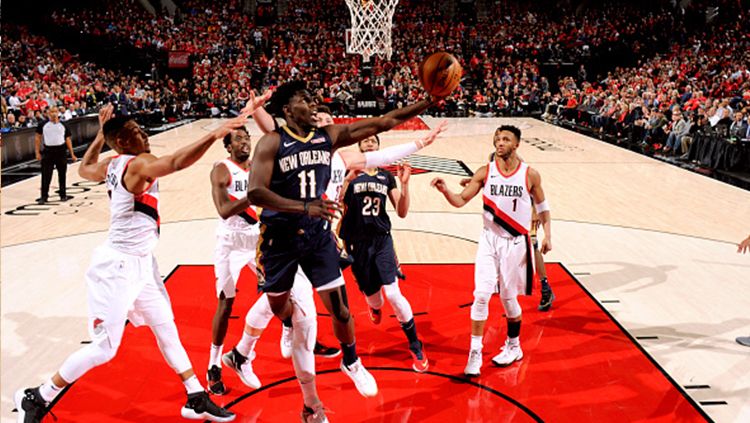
(542, 207)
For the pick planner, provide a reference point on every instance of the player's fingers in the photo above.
(328, 215)
(332, 205)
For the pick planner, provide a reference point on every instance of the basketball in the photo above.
(440, 74)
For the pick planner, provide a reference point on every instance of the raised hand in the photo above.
(230, 125)
(255, 102)
(430, 138)
(105, 114)
(439, 184)
(404, 172)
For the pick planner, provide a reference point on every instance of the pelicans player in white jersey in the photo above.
(504, 259)
(260, 315)
(123, 281)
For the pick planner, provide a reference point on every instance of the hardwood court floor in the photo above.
(653, 243)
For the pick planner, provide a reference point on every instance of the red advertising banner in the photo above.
(179, 59)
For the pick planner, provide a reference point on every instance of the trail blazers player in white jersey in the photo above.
(123, 281)
(504, 258)
(236, 240)
(260, 314)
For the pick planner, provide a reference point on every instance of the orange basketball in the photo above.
(440, 74)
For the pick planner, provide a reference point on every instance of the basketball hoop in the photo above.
(370, 33)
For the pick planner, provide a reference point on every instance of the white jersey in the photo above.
(338, 171)
(237, 190)
(507, 201)
(134, 219)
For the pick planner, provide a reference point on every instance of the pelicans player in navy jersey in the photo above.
(366, 231)
(504, 260)
(291, 171)
(260, 314)
(123, 281)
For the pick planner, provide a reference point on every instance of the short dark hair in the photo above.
(510, 128)
(323, 109)
(282, 95)
(113, 127)
(228, 137)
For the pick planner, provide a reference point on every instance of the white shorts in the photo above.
(502, 265)
(124, 287)
(234, 250)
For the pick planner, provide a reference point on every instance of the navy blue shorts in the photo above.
(280, 252)
(374, 262)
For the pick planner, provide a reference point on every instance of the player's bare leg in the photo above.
(337, 304)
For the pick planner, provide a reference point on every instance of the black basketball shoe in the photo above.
(200, 407)
(215, 385)
(30, 405)
(325, 351)
(545, 303)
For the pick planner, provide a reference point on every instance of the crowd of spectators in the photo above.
(700, 86)
(502, 55)
(36, 76)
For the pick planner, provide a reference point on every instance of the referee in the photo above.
(55, 136)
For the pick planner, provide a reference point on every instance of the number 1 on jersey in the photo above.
(305, 179)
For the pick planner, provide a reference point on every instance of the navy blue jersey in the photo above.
(301, 171)
(365, 201)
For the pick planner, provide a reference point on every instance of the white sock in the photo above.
(215, 359)
(514, 342)
(49, 390)
(476, 343)
(247, 344)
(192, 385)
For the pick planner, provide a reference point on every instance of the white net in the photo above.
(370, 33)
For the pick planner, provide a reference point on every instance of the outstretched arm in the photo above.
(537, 193)
(343, 135)
(264, 120)
(91, 168)
(254, 107)
(146, 167)
(356, 160)
(471, 189)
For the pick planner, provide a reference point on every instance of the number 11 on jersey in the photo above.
(307, 179)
